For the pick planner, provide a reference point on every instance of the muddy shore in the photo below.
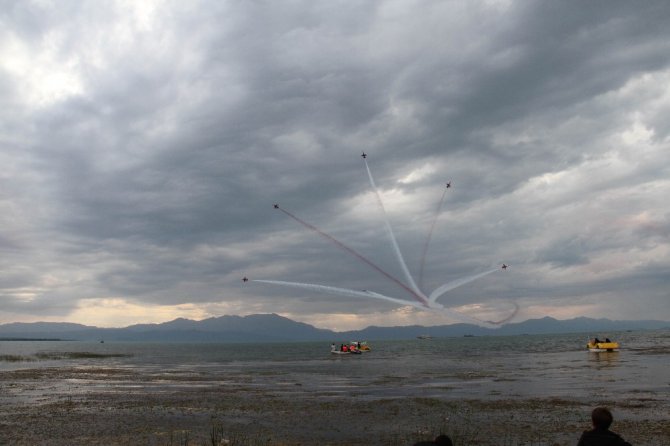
(118, 406)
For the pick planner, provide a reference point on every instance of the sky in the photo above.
(143, 145)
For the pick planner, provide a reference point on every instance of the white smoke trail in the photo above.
(340, 291)
(430, 236)
(455, 284)
(396, 249)
(457, 315)
(436, 308)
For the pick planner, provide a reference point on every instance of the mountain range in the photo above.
(275, 328)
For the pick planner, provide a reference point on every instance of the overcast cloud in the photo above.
(143, 145)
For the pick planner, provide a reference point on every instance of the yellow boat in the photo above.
(361, 346)
(595, 345)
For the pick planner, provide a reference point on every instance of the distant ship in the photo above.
(425, 336)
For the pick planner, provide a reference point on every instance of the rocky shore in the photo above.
(118, 406)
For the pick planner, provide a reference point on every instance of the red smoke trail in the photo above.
(355, 254)
(430, 235)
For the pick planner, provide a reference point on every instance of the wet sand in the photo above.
(96, 405)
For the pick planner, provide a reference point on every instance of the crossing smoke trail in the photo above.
(336, 290)
(371, 294)
(396, 249)
(455, 284)
(418, 296)
(430, 236)
(421, 301)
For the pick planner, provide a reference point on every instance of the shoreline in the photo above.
(98, 405)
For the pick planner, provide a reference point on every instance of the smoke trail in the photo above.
(372, 295)
(396, 249)
(508, 318)
(418, 296)
(339, 291)
(464, 318)
(430, 235)
(455, 284)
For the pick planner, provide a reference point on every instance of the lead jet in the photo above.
(364, 155)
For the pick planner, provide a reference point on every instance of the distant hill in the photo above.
(275, 328)
(546, 325)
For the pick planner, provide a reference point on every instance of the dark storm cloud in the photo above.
(145, 144)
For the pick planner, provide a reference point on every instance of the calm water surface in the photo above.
(451, 368)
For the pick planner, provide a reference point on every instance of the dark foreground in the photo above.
(118, 406)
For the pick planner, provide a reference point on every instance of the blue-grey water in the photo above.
(453, 368)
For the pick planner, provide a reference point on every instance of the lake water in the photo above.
(488, 367)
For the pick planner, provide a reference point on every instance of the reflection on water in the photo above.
(604, 358)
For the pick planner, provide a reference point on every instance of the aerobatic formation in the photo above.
(419, 299)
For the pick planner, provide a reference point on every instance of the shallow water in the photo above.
(446, 368)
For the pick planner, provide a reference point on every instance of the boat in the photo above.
(425, 336)
(335, 351)
(363, 346)
(595, 345)
(352, 352)
(348, 352)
